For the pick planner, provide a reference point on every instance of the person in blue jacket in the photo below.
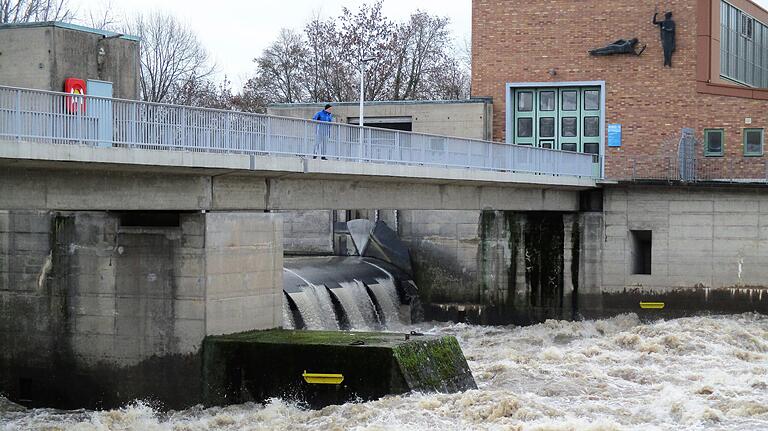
(323, 130)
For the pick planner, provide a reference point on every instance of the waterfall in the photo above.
(331, 293)
(386, 296)
(314, 305)
(357, 305)
(288, 322)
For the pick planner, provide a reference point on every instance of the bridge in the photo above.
(130, 231)
(67, 152)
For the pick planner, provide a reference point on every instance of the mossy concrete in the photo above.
(255, 366)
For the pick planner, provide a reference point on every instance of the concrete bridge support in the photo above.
(98, 308)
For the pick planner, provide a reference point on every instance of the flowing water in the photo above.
(696, 373)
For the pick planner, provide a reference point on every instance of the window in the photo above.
(525, 101)
(747, 26)
(547, 101)
(591, 126)
(592, 100)
(569, 101)
(641, 243)
(714, 142)
(591, 148)
(743, 47)
(547, 127)
(524, 127)
(567, 117)
(753, 142)
(568, 129)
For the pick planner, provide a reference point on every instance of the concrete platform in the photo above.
(255, 366)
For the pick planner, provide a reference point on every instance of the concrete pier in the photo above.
(100, 308)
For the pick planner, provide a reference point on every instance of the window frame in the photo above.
(744, 141)
(747, 31)
(708, 153)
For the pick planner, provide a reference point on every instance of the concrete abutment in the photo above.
(100, 308)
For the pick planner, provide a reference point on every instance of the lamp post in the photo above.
(361, 122)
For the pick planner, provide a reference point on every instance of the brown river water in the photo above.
(698, 373)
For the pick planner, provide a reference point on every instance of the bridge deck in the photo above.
(107, 130)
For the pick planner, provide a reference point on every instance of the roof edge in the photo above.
(70, 26)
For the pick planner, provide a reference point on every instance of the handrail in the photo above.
(139, 124)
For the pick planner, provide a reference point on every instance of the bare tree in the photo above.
(279, 69)
(411, 60)
(35, 10)
(368, 33)
(422, 43)
(171, 56)
(103, 17)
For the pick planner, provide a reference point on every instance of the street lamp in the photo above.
(361, 122)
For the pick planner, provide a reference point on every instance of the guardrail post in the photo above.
(469, 154)
(80, 121)
(398, 151)
(305, 147)
(268, 135)
(183, 124)
(18, 115)
(227, 138)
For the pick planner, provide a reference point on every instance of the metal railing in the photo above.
(53, 117)
(698, 169)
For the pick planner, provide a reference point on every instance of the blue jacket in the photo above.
(323, 116)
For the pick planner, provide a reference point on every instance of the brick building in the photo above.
(535, 54)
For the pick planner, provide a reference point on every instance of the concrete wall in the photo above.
(708, 250)
(493, 266)
(307, 232)
(244, 272)
(461, 118)
(702, 236)
(94, 312)
(42, 56)
(108, 188)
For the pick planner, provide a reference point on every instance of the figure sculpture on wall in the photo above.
(621, 46)
(667, 28)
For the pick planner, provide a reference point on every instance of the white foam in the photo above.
(698, 373)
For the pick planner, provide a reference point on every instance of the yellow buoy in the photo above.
(652, 305)
(322, 379)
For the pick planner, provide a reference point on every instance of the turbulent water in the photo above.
(614, 374)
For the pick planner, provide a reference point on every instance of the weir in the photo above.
(346, 292)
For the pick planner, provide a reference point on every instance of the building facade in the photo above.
(42, 55)
(533, 59)
(460, 118)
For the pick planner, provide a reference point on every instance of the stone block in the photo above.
(688, 206)
(697, 220)
(94, 305)
(189, 334)
(189, 309)
(95, 325)
(238, 314)
(189, 287)
(738, 206)
(736, 232)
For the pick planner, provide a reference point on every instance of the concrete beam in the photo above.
(79, 177)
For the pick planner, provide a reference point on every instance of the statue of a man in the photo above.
(667, 28)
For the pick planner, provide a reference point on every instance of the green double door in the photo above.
(566, 118)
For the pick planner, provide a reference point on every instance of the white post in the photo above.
(362, 97)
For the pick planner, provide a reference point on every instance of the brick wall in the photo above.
(516, 41)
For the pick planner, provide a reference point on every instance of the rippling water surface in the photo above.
(614, 374)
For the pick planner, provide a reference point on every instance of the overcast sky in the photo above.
(236, 31)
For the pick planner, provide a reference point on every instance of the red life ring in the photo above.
(76, 102)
